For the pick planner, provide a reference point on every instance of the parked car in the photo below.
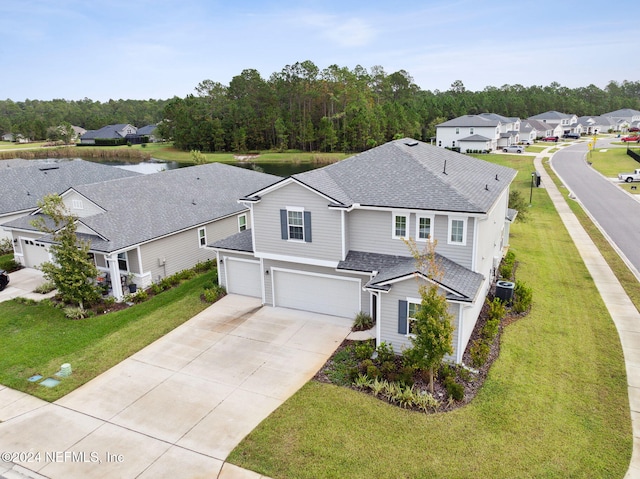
(634, 128)
(527, 142)
(629, 177)
(550, 138)
(574, 136)
(631, 138)
(4, 279)
(513, 149)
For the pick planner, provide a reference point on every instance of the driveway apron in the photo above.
(179, 406)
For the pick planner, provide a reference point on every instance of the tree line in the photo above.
(305, 108)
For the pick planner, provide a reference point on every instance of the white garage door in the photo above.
(243, 277)
(333, 295)
(34, 252)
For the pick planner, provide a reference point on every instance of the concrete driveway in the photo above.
(177, 408)
(22, 283)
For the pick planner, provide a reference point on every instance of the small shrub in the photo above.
(490, 329)
(140, 296)
(45, 288)
(377, 386)
(364, 350)
(405, 375)
(497, 309)
(405, 397)
(213, 294)
(6, 246)
(446, 371)
(454, 390)
(109, 301)
(388, 371)
(518, 202)
(362, 322)
(373, 371)
(479, 352)
(523, 297)
(385, 352)
(156, 288)
(507, 265)
(426, 402)
(73, 312)
(362, 381)
(9, 264)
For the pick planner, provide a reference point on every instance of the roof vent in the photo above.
(497, 177)
(193, 201)
(445, 167)
(49, 167)
(486, 187)
(411, 143)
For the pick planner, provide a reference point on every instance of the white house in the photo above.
(486, 132)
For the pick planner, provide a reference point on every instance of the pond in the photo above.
(154, 166)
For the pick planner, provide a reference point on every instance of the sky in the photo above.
(144, 49)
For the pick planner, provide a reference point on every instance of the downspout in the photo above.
(114, 273)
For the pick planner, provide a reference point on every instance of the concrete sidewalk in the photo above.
(623, 312)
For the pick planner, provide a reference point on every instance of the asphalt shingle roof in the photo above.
(25, 182)
(471, 120)
(456, 278)
(242, 241)
(411, 174)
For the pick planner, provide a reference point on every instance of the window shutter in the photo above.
(283, 225)
(307, 226)
(402, 317)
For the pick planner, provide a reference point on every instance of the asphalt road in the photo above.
(616, 211)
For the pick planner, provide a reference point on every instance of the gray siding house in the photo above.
(331, 240)
(147, 227)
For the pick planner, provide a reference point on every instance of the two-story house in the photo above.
(568, 122)
(484, 132)
(332, 240)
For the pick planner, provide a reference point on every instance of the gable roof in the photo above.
(475, 137)
(109, 131)
(147, 130)
(551, 115)
(462, 283)
(623, 113)
(537, 125)
(411, 174)
(28, 181)
(471, 120)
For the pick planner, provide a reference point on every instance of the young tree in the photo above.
(432, 328)
(72, 271)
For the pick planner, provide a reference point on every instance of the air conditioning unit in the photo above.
(504, 291)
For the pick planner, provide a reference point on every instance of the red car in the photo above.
(633, 128)
(631, 138)
(550, 138)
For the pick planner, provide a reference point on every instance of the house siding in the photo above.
(371, 231)
(167, 256)
(88, 207)
(389, 316)
(5, 219)
(326, 241)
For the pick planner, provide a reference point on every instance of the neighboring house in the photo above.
(18, 138)
(627, 116)
(121, 131)
(78, 131)
(331, 240)
(7, 137)
(567, 122)
(592, 125)
(148, 131)
(147, 227)
(25, 182)
(487, 132)
(543, 130)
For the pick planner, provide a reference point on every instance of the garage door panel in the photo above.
(333, 295)
(243, 277)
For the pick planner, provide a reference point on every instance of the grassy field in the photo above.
(554, 405)
(8, 145)
(37, 339)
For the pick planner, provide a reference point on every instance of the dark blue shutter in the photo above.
(402, 317)
(284, 230)
(307, 226)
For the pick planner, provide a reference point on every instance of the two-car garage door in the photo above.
(320, 293)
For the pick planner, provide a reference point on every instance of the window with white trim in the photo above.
(400, 226)
(295, 224)
(424, 228)
(412, 310)
(242, 222)
(202, 237)
(457, 231)
(471, 131)
(123, 264)
(457, 131)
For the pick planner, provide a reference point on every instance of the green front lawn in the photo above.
(554, 405)
(612, 161)
(37, 339)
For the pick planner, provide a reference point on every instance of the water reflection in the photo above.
(154, 166)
